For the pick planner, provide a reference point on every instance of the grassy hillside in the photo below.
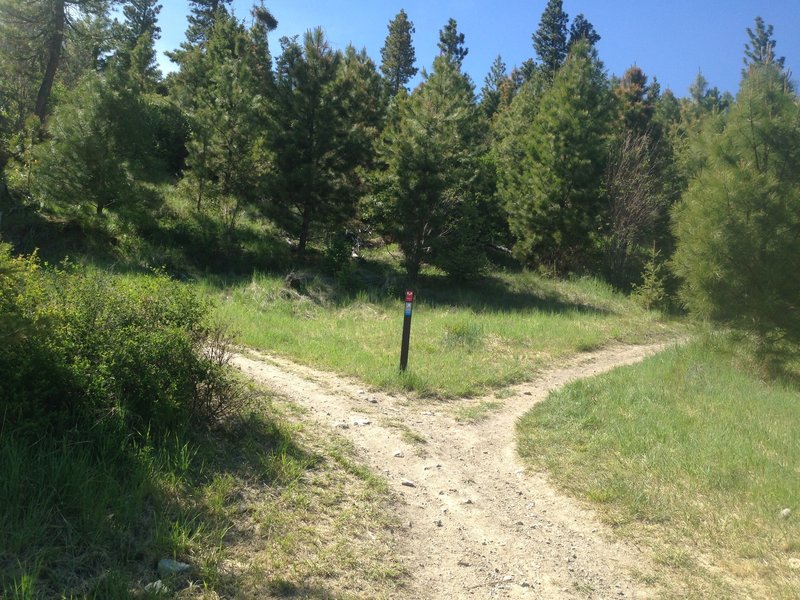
(465, 338)
(693, 453)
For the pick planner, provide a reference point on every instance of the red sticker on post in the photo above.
(409, 296)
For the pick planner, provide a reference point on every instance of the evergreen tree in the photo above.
(317, 125)
(433, 149)
(222, 88)
(397, 54)
(738, 224)
(33, 35)
(492, 91)
(451, 43)
(636, 100)
(550, 39)
(141, 17)
(641, 183)
(137, 57)
(202, 15)
(761, 48)
(555, 201)
(85, 163)
(582, 29)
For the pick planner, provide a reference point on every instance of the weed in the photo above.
(475, 413)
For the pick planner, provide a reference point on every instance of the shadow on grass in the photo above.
(74, 510)
(200, 246)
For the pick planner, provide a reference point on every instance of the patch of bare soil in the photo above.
(476, 524)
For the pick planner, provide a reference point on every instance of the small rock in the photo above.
(525, 584)
(439, 523)
(444, 511)
(508, 578)
(342, 425)
(373, 400)
(468, 501)
(463, 563)
(528, 394)
(167, 567)
(408, 483)
(361, 422)
(398, 454)
(786, 513)
(157, 587)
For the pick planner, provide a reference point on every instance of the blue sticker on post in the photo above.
(409, 302)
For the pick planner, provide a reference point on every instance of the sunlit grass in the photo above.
(691, 452)
(465, 339)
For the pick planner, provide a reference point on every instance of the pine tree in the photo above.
(433, 150)
(397, 54)
(84, 163)
(738, 224)
(141, 17)
(202, 15)
(136, 59)
(582, 29)
(761, 48)
(550, 39)
(321, 116)
(451, 43)
(636, 100)
(33, 35)
(492, 91)
(555, 201)
(223, 91)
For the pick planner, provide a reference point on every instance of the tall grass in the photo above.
(692, 452)
(465, 338)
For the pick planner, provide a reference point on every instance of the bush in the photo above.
(738, 225)
(81, 347)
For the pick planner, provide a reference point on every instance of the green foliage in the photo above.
(652, 292)
(738, 224)
(84, 348)
(433, 149)
(550, 39)
(553, 192)
(87, 165)
(397, 54)
(761, 47)
(582, 30)
(222, 88)
(492, 90)
(451, 43)
(325, 113)
(202, 18)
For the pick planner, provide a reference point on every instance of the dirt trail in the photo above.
(476, 524)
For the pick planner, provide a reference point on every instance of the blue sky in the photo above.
(670, 39)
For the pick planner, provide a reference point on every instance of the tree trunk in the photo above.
(54, 46)
(304, 229)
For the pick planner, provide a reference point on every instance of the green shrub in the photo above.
(82, 346)
(738, 224)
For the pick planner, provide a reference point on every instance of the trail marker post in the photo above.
(406, 330)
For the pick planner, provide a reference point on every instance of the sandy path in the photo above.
(476, 524)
